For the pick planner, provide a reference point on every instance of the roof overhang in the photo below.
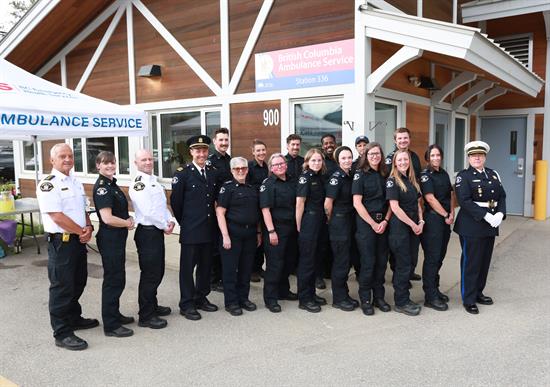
(495, 9)
(451, 40)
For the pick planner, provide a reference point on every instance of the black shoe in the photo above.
(255, 277)
(345, 305)
(273, 308)
(442, 297)
(72, 343)
(381, 304)
(163, 310)
(191, 314)
(367, 308)
(310, 306)
(354, 302)
(320, 284)
(415, 277)
(484, 300)
(234, 310)
(436, 304)
(410, 309)
(120, 332)
(471, 308)
(207, 306)
(153, 323)
(248, 305)
(217, 286)
(84, 323)
(291, 296)
(124, 320)
(319, 300)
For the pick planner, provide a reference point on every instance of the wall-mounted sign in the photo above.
(308, 66)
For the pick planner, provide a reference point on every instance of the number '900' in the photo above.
(271, 117)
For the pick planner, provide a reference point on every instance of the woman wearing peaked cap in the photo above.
(482, 202)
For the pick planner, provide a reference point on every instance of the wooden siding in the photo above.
(247, 125)
(54, 75)
(418, 122)
(242, 15)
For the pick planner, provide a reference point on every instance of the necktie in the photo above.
(203, 174)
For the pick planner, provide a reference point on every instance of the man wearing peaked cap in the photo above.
(193, 194)
(474, 147)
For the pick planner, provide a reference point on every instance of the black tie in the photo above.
(203, 174)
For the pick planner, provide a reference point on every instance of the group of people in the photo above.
(316, 216)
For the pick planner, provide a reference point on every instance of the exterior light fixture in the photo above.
(149, 71)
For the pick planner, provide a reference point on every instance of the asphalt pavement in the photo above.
(507, 344)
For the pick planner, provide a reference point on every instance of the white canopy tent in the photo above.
(32, 108)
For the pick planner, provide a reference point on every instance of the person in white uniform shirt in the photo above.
(67, 226)
(153, 220)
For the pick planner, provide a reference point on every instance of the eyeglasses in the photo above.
(373, 154)
(240, 169)
(278, 165)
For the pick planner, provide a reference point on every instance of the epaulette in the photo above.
(227, 182)
(138, 178)
(49, 177)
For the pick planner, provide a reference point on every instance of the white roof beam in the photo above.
(454, 84)
(482, 100)
(478, 11)
(478, 88)
(403, 56)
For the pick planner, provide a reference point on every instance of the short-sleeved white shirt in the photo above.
(149, 201)
(58, 192)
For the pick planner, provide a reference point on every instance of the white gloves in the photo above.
(494, 220)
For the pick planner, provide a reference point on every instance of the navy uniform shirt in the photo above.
(107, 194)
(192, 202)
(473, 186)
(339, 189)
(295, 166)
(221, 165)
(331, 165)
(415, 162)
(279, 196)
(256, 174)
(241, 202)
(310, 186)
(437, 183)
(370, 185)
(408, 201)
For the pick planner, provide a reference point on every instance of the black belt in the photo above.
(312, 212)
(55, 235)
(243, 225)
(376, 215)
(148, 227)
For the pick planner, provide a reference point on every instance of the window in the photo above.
(460, 142)
(386, 119)
(314, 119)
(519, 46)
(90, 147)
(28, 155)
(77, 148)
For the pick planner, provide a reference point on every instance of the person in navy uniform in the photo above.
(238, 216)
(340, 215)
(278, 204)
(360, 146)
(373, 214)
(114, 223)
(402, 140)
(403, 193)
(482, 201)
(153, 220)
(193, 195)
(257, 173)
(439, 204)
(293, 159)
(219, 160)
(310, 196)
(68, 228)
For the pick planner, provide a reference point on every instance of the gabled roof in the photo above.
(468, 45)
(494, 9)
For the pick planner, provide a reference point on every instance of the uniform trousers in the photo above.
(403, 243)
(474, 266)
(111, 243)
(340, 227)
(199, 255)
(308, 242)
(216, 261)
(68, 273)
(280, 261)
(150, 247)
(435, 238)
(373, 250)
(237, 263)
(323, 264)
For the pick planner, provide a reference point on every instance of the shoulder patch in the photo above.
(389, 183)
(49, 177)
(208, 162)
(262, 188)
(101, 191)
(333, 181)
(46, 186)
(138, 178)
(222, 190)
(139, 186)
(356, 176)
(424, 178)
(175, 180)
(302, 180)
(458, 179)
